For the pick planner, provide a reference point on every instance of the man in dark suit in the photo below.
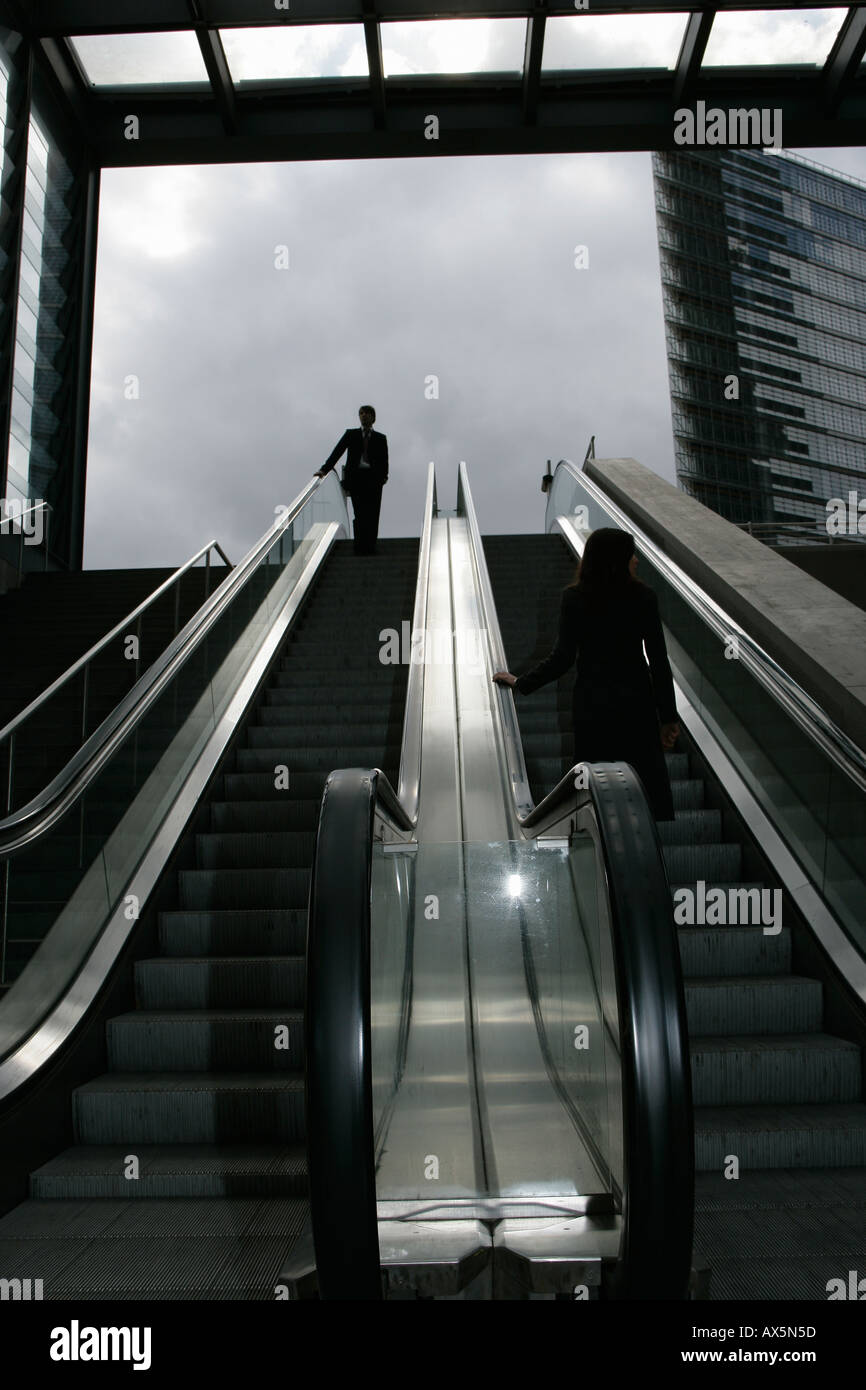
(365, 473)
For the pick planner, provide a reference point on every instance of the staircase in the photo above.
(187, 1177)
(771, 1086)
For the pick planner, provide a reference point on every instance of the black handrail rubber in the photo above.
(658, 1133)
(337, 1032)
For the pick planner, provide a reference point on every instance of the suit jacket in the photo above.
(377, 456)
(608, 640)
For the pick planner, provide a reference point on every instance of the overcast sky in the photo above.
(247, 372)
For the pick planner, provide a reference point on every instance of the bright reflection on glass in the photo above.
(452, 45)
(515, 886)
(613, 41)
(297, 50)
(741, 38)
(122, 60)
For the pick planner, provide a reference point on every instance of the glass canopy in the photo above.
(613, 41)
(302, 50)
(747, 38)
(125, 60)
(442, 46)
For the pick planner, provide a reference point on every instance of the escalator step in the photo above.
(733, 950)
(259, 850)
(177, 1170)
(220, 982)
(753, 1004)
(202, 889)
(207, 1040)
(189, 1108)
(781, 1069)
(248, 932)
(780, 1136)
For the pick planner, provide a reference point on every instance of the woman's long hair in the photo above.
(603, 572)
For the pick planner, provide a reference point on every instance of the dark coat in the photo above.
(377, 457)
(618, 700)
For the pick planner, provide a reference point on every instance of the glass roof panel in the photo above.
(747, 38)
(588, 41)
(452, 45)
(122, 60)
(296, 50)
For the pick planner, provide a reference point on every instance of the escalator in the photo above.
(487, 1092)
(175, 1109)
(776, 1029)
(467, 1078)
(486, 1119)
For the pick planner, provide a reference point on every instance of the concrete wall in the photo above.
(819, 637)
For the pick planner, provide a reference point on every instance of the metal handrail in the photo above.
(783, 688)
(50, 998)
(516, 763)
(410, 750)
(122, 626)
(30, 822)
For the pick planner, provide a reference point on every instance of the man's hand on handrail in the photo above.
(504, 678)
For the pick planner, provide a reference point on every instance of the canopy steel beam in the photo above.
(373, 41)
(691, 54)
(845, 57)
(532, 67)
(469, 123)
(217, 69)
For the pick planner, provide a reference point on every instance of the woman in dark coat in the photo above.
(624, 710)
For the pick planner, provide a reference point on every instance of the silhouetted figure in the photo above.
(365, 473)
(624, 710)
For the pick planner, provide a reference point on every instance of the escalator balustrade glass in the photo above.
(819, 811)
(495, 1034)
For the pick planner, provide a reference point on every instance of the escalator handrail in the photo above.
(781, 685)
(121, 627)
(516, 763)
(338, 1033)
(409, 785)
(26, 825)
(658, 1123)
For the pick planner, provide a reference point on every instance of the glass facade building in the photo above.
(48, 202)
(763, 268)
